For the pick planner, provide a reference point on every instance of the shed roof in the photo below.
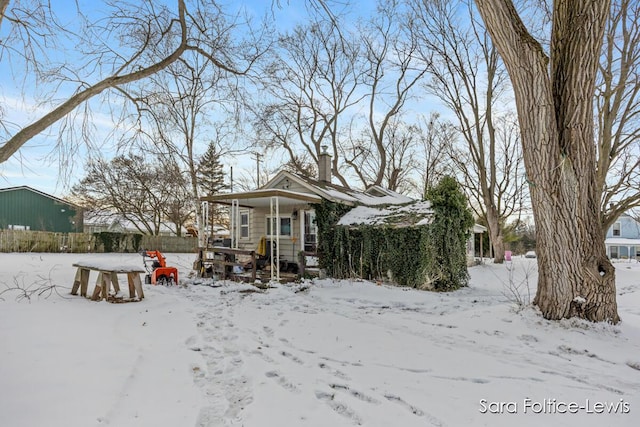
(408, 214)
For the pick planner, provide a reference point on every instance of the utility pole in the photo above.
(258, 155)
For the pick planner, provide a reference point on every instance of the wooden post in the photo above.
(98, 290)
(301, 263)
(131, 281)
(138, 285)
(106, 284)
(253, 266)
(114, 282)
(76, 282)
(84, 281)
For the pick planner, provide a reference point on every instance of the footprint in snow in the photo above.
(338, 407)
(292, 357)
(355, 393)
(282, 381)
(434, 421)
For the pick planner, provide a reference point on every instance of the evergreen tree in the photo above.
(210, 174)
(210, 177)
(448, 235)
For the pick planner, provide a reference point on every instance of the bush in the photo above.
(448, 235)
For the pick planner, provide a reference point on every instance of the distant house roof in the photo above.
(116, 222)
(26, 187)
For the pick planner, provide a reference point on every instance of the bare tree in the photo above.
(177, 106)
(554, 97)
(618, 112)
(129, 186)
(392, 73)
(507, 169)
(178, 206)
(468, 77)
(146, 37)
(400, 145)
(436, 136)
(311, 82)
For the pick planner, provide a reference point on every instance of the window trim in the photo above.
(246, 226)
(619, 229)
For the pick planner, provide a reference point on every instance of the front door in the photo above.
(310, 231)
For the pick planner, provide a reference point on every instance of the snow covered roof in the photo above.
(416, 213)
(115, 222)
(372, 196)
(410, 214)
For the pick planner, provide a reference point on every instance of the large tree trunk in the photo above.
(556, 119)
(495, 234)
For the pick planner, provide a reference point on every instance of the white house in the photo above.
(282, 210)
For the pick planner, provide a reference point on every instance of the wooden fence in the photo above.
(43, 241)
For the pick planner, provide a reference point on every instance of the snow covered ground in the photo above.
(326, 353)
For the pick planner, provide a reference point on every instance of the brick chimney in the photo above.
(324, 166)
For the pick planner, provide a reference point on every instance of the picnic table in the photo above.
(107, 278)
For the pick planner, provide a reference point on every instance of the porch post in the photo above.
(202, 227)
(274, 205)
(235, 223)
(301, 215)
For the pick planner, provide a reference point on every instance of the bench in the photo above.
(107, 277)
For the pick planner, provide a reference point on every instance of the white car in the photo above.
(530, 254)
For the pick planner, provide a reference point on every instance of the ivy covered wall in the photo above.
(429, 256)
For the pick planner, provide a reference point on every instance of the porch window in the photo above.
(282, 227)
(616, 229)
(244, 225)
(613, 252)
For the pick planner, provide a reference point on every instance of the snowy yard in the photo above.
(333, 354)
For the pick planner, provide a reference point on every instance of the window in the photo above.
(616, 229)
(283, 228)
(244, 225)
(613, 252)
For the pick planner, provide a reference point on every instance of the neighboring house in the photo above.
(282, 210)
(24, 208)
(101, 221)
(623, 238)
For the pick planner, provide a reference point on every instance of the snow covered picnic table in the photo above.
(107, 277)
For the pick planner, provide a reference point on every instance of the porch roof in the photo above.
(621, 241)
(262, 198)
